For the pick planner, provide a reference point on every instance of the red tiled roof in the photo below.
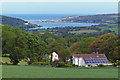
(88, 56)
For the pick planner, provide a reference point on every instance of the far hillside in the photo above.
(99, 18)
(24, 25)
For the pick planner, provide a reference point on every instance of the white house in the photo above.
(89, 60)
(54, 56)
(26, 23)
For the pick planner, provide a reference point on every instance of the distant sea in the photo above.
(37, 18)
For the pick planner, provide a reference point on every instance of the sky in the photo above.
(59, 0)
(59, 7)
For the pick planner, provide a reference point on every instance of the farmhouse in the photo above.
(89, 60)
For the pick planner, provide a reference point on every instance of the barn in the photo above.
(89, 60)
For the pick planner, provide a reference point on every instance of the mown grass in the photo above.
(38, 71)
(13, 71)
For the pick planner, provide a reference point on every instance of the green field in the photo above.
(12, 71)
(84, 31)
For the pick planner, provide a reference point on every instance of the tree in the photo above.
(48, 38)
(7, 39)
(82, 47)
(64, 54)
(105, 43)
(56, 46)
(14, 43)
(19, 46)
(74, 47)
(71, 39)
(114, 54)
(36, 45)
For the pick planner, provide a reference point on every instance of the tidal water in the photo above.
(37, 18)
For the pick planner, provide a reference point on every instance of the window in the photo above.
(55, 55)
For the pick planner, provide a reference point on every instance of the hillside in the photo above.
(100, 18)
(24, 25)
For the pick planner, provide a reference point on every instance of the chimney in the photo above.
(97, 52)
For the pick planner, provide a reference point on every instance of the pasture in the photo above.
(83, 31)
(14, 71)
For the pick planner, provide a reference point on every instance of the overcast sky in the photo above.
(59, 7)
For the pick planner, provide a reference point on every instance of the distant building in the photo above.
(26, 23)
(89, 60)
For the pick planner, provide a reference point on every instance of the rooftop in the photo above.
(89, 56)
(93, 58)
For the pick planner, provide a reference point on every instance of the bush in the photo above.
(73, 65)
(68, 65)
(68, 62)
(117, 62)
(112, 61)
(76, 66)
(33, 58)
(61, 64)
(100, 65)
(40, 63)
(48, 62)
(5, 55)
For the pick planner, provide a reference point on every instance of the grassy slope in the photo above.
(11, 71)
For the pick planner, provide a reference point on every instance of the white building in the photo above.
(89, 60)
(26, 23)
(54, 56)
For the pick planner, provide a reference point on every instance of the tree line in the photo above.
(37, 47)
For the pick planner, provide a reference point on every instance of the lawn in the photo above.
(12, 71)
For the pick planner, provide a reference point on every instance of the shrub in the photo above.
(76, 66)
(40, 63)
(68, 65)
(68, 62)
(100, 65)
(5, 55)
(61, 64)
(33, 58)
(73, 65)
(48, 62)
(112, 61)
(118, 62)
